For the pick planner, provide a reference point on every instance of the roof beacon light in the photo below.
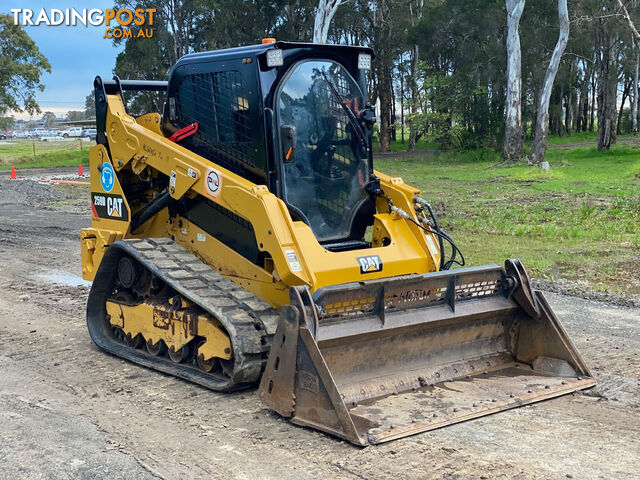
(268, 40)
(274, 58)
(364, 61)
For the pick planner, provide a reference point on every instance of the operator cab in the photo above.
(290, 116)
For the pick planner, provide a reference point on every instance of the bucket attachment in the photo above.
(379, 360)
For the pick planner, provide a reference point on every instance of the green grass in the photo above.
(20, 153)
(580, 220)
(579, 137)
(576, 137)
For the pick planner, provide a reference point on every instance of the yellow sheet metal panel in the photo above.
(151, 121)
(109, 207)
(176, 328)
(93, 243)
(257, 279)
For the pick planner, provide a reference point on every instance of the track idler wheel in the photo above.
(181, 355)
(157, 349)
(127, 272)
(206, 365)
(135, 342)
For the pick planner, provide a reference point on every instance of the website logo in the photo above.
(122, 23)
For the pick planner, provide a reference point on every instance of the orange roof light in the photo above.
(268, 40)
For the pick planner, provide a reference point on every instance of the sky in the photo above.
(76, 54)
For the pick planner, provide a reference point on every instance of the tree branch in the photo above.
(625, 14)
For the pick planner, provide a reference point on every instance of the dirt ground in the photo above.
(70, 411)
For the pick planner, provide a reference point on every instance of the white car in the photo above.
(72, 132)
(50, 138)
(39, 132)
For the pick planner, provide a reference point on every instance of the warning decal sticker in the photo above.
(107, 177)
(213, 183)
(292, 258)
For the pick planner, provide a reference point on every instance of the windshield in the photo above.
(325, 165)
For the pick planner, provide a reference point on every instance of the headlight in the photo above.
(364, 61)
(274, 57)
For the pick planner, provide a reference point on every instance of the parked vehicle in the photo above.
(38, 132)
(50, 137)
(89, 133)
(3, 136)
(72, 132)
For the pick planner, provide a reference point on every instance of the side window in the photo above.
(231, 106)
(219, 102)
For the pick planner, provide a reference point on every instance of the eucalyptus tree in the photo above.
(416, 9)
(607, 49)
(324, 14)
(512, 148)
(539, 146)
(385, 24)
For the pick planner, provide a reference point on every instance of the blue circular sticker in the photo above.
(107, 177)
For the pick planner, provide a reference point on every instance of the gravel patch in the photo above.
(576, 289)
(30, 192)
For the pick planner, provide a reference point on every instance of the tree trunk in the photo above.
(384, 94)
(402, 72)
(413, 84)
(575, 96)
(585, 112)
(558, 113)
(539, 147)
(607, 87)
(583, 105)
(534, 117)
(512, 146)
(577, 124)
(393, 110)
(593, 99)
(567, 113)
(575, 110)
(634, 90)
(326, 10)
(625, 94)
(415, 15)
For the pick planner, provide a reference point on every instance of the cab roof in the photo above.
(255, 50)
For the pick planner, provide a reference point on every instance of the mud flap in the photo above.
(379, 360)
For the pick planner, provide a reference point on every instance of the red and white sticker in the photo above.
(213, 183)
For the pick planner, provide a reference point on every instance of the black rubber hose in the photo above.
(439, 230)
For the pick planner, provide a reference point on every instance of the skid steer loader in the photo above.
(243, 236)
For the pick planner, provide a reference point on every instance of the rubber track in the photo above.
(249, 321)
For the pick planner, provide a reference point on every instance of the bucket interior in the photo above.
(408, 376)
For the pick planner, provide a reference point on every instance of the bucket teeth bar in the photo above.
(379, 360)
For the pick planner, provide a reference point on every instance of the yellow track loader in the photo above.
(243, 236)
